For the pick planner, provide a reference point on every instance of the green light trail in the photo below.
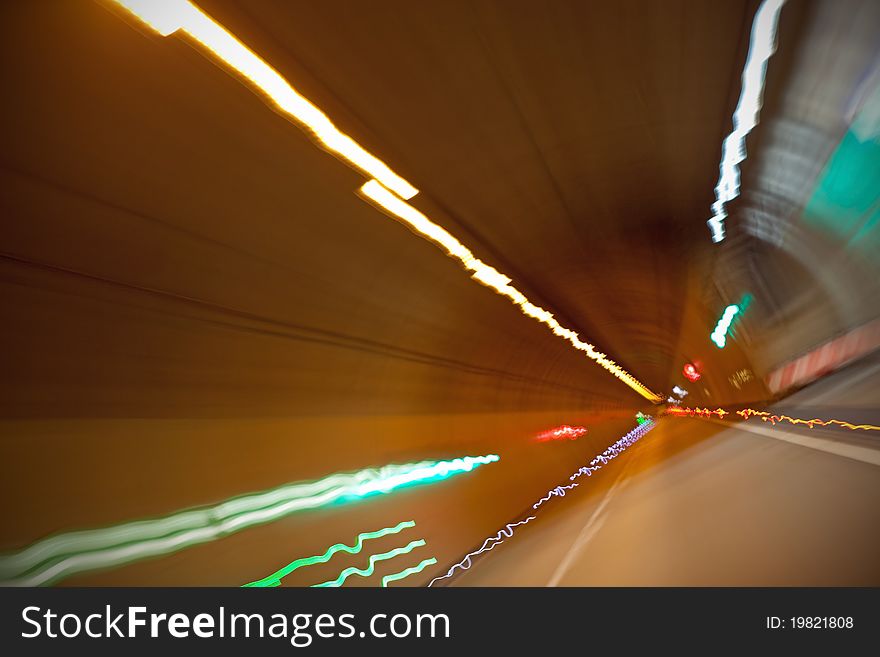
(370, 569)
(275, 578)
(409, 571)
(53, 558)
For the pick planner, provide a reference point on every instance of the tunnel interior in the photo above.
(198, 304)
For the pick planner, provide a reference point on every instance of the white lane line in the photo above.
(594, 524)
(855, 452)
(843, 385)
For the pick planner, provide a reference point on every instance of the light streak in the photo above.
(494, 279)
(561, 432)
(697, 412)
(169, 16)
(488, 545)
(559, 491)
(275, 578)
(773, 419)
(62, 555)
(613, 451)
(371, 567)
(762, 45)
(681, 392)
(408, 571)
(428, 470)
(719, 335)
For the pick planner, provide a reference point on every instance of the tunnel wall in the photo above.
(199, 306)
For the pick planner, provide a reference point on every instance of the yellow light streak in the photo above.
(169, 16)
(773, 419)
(494, 279)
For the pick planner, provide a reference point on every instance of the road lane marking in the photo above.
(847, 450)
(590, 529)
(843, 385)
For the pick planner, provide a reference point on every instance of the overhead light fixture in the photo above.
(169, 16)
(762, 44)
(494, 279)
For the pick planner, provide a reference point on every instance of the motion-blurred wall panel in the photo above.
(806, 241)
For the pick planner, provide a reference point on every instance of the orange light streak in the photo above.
(696, 412)
(494, 279)
(772, 418)
(387, 189)
(169, 16)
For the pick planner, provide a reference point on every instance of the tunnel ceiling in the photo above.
(573, 147)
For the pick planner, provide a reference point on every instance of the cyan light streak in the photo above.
(719, 335)
(408, 571)
(559, 491)
(63, 555)
(371, 567)
(428, 470)
(722, 328)
(275, 578)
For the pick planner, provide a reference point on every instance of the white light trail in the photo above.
(733, 151)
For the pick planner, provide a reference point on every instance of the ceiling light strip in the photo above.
(168, 16)
(762, 45)
(494, 279)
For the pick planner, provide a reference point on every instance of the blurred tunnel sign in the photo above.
(740, 377)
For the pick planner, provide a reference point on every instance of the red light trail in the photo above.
(690, 371)
(562, 432)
